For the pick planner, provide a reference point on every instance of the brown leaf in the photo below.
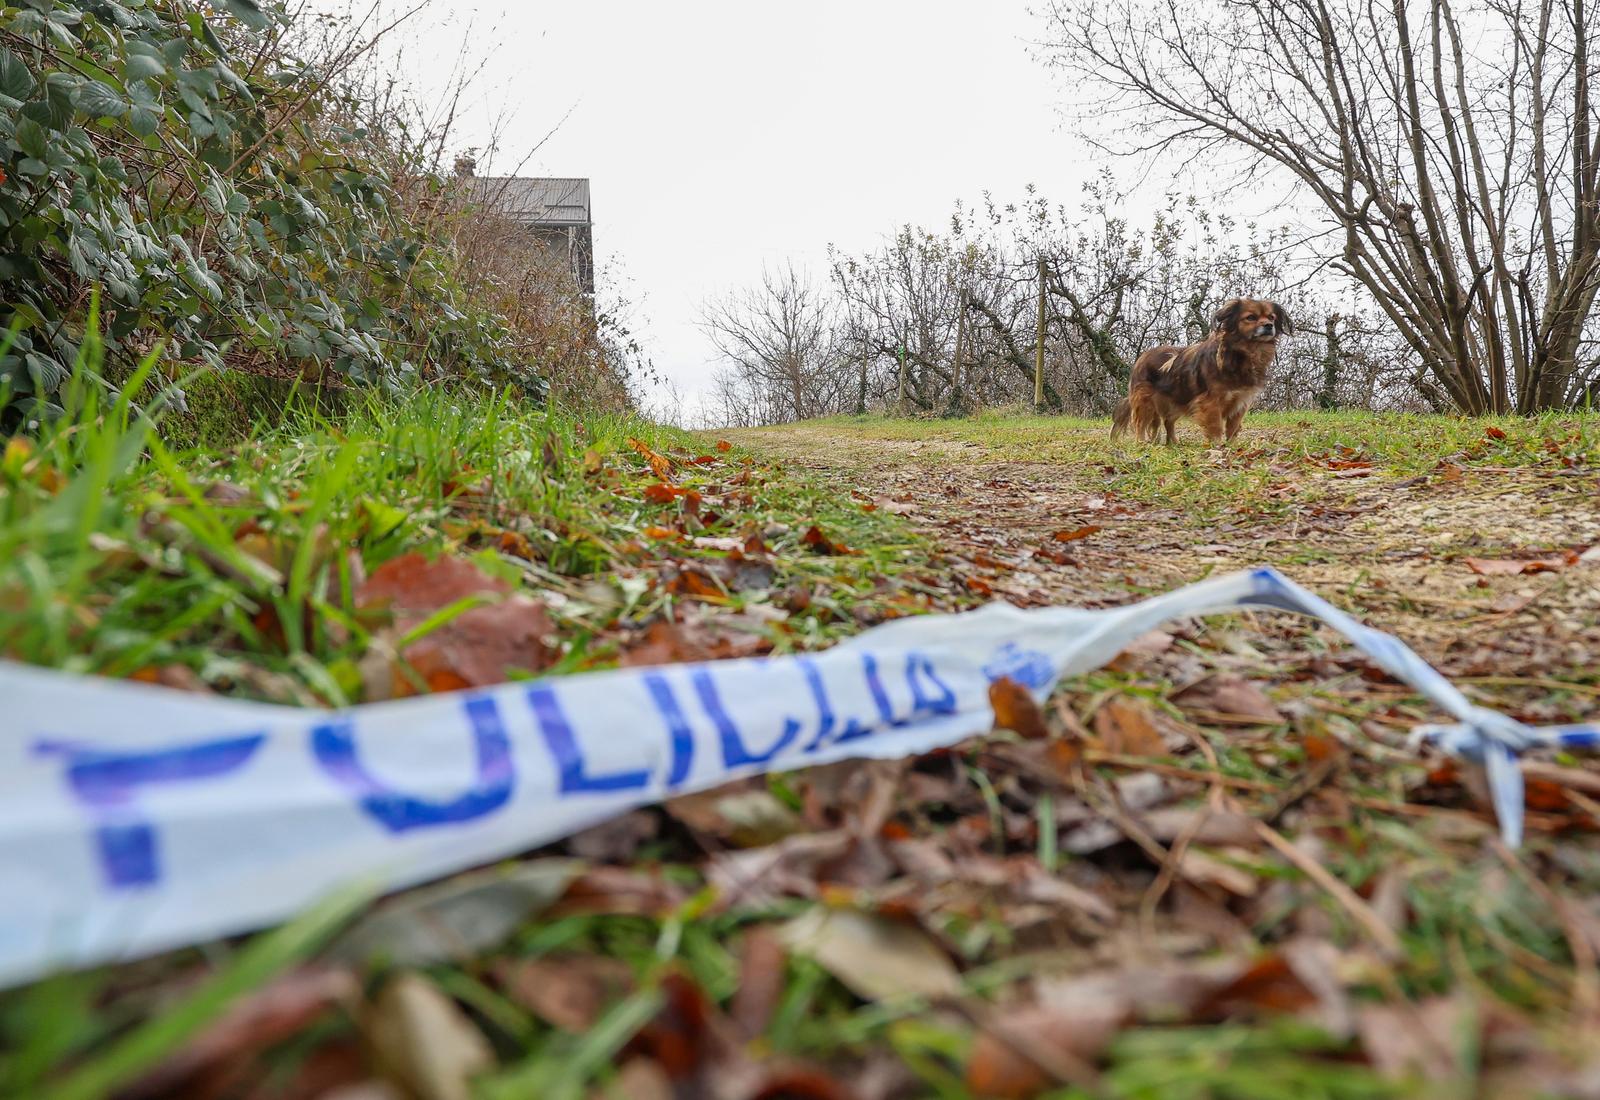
(876, 958)
(724, 446)
(1145, 646)
(1494, 433)
(641, 1079)
(745, 816)
(423, 1042)
(817, 541)
(568, 992)
(1229, 699)
(761, 980)
(180, 677)
(1270, 985)
(789, 868)
(618, 891)
(475, 648)
(999, 1064)
(801, 1084)
(1075, 534)
(1015, 710)
(1506, 567)
(1124, 727)
(592, 462)
(1427, 1039)
(661, 493)
(679, 1037)
(660, 465)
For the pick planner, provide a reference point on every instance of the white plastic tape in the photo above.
(135, 819)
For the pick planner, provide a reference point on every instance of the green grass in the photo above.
(1272, 447)
(120, 552)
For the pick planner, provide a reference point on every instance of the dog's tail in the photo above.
(1120, 418)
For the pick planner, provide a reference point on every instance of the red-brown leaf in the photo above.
(1015, 710)
(1124, 727)
(1508, 567)
(660, 465)
(1075, 534)
(476, 648)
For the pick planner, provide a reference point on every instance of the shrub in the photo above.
(227, 201)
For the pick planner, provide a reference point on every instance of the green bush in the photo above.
(220, 196)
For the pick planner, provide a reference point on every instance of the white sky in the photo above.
(719, 135)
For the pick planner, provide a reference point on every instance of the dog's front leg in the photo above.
(1209, 417)
(1234, 423)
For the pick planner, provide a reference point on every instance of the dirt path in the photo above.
(1391, 548)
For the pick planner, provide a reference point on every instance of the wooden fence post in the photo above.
(900, 400)
(1038, 346)
(861, 398)
(955, 366)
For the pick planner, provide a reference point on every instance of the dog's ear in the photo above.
(1285, 324)
(1227, 315)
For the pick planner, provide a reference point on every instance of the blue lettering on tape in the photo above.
(929, 694)
(677, 727)
(334, 746)
(1029, 667)
(558, 735)
(735, 753)
(107, 779)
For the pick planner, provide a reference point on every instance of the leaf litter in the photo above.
(1209, 857)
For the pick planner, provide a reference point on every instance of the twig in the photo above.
(1382, 936)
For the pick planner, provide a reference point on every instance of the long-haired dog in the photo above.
(1213, 381)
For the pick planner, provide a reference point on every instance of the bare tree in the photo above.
(1455, 153)
(784, 350)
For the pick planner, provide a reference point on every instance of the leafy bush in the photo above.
(223, 199)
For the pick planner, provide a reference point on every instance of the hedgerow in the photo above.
(227, 202)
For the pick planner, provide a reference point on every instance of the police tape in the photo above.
(135, 819)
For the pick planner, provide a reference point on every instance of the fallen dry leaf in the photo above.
(1507, 567)
(1425, 1039)
(817, 541)
(878, 959)
(457, 918)
(1124, 727)
(1229, 699)
(761, 980)
(641, 1079)
(568, 992)
(617, 890)
(1015, 710)
(745, 818)
(423, 1042)
(679, 1037)
(476, 648)
(999, 1064)
(1075, 534)
(660, 465)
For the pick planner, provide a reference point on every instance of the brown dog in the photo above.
(1213, 381)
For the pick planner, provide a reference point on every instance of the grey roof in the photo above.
(552, 202)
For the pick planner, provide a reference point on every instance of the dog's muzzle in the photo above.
(1267, 332)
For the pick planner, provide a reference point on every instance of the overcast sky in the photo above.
(722, 135)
